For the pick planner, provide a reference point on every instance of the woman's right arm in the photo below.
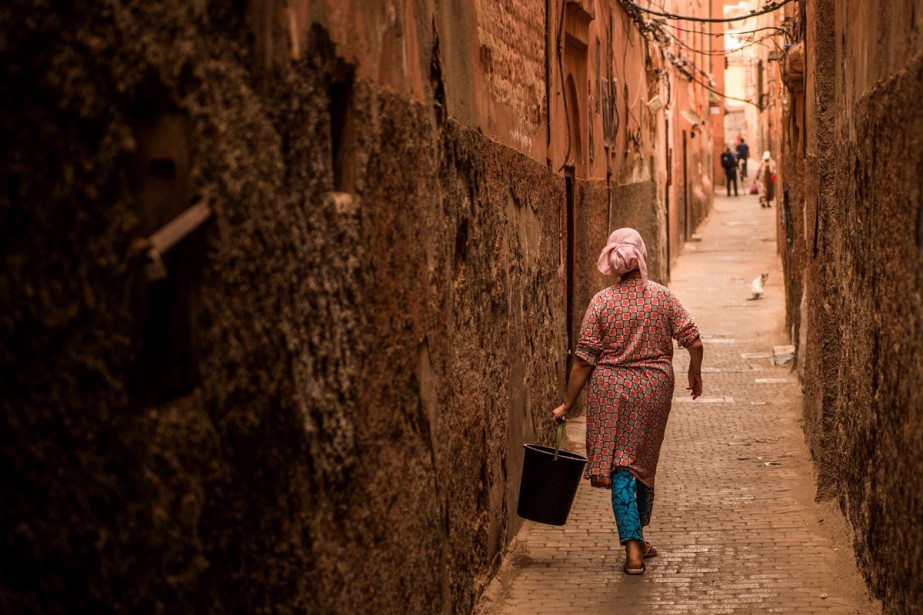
(585, 357)
(696, 352)
(579, 373)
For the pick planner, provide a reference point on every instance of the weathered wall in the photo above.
(591, 231)
(858, 253)
(363, 365)
(322, 407)
(631, 207)
(648, 146)
(511, 36)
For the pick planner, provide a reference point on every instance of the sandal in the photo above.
(634, 570)
(651, 551)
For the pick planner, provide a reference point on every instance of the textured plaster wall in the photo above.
(632, 206)
(590, 234)
(511, 34)
(322, 408)
(366, 364)
(856, 247)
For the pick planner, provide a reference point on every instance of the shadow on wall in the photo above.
(316, 349)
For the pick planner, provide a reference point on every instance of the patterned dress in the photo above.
(627, 334)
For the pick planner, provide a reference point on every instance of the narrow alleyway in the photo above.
(735, 520)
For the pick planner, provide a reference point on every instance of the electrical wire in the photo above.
(654, 32)
(772, 6)
(664, 38)
(610, 108)
(725, 52)
(630, 135)
(714, 91)
(560, 49)
(725, 33)
(681, 63)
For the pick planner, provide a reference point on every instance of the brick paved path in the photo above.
(734, 519)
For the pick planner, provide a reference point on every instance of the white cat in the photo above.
(756, 287)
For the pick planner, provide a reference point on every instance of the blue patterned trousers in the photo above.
(632, 503)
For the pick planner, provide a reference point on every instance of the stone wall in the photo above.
(511, 35)
(592, 227)
(316, 399)
(637, 206)
(856, 258)
(321, 408)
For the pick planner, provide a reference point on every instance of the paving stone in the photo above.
(735, 535)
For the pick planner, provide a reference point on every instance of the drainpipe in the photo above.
(547, 84)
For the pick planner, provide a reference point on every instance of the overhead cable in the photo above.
(772, 6)
(714, 91)
(725, 33)
(723, 52)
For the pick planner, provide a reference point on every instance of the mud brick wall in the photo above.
(512, 57)
(321, 409)
(636, 205)
(861, 261)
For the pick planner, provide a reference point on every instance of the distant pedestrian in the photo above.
(743, 154)
(766, 176)
(626, 352)
(729, 164)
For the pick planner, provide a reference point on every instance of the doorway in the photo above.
(569, 264)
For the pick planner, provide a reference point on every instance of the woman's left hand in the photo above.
(557, 415)
(695, 384)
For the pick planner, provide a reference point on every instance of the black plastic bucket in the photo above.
(548, 485)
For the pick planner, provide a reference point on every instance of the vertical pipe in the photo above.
(548, 82)
(685, 191)
(669, 152)
(759, 84)
(570, 189)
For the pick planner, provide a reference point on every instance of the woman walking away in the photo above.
(767, 177)
(626, 352)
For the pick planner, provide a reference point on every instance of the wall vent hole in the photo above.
(163, 168)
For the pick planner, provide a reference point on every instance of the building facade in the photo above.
(849, 219)
(288, 285)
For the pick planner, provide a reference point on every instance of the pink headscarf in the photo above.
(624, 252)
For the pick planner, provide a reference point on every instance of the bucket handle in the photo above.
(557, 444)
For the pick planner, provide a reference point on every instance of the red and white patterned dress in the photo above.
(627, 334)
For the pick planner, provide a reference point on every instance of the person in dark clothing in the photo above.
(743, 153)
(729, 164)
